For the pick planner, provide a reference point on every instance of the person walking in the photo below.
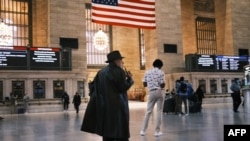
(65, 99)
(235, 88)
(109, 101)
(154, 80)
(182, 91)
(26, 100)
(1, 118)
(77, 101)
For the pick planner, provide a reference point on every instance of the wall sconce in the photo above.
(100, 40)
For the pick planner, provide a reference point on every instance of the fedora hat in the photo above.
(113, 56)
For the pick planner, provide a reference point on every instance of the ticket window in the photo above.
(58, 88)
(224, 86)
(18, 89)
(38, 89)
(213, 86)
(80, 88)
(203, 82)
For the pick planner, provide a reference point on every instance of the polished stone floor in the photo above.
(65, 126)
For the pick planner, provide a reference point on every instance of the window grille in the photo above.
(206, 36)
(16, 15)
(95, 58)
(142, 49)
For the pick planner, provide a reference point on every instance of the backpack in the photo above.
(183, 87)
(190, 90)
(66, 98)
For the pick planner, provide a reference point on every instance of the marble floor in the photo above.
(65, 126)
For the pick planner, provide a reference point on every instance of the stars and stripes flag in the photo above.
(130, 13)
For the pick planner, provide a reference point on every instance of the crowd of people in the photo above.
(107, 112)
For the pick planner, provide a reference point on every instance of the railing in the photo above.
(217, 95)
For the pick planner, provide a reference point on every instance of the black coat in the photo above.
(65, 98)
(77, 100)
(200, 93)
(107, 113)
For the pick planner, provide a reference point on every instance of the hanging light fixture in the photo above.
(100, 40)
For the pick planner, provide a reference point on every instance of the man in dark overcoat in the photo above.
(107, 113)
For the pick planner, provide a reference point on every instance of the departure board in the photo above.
(206, 62)
(231, 63)
(215, 63)
(44, 58)
(13, 57)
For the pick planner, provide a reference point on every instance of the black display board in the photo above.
(206, 62)
(13, 57)
(215, 63)
(44, 58)
(69, 42)
(34, 58)
(231, 63)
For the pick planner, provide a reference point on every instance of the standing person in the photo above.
(154, 79)
(235, 88)
(26, 100)
(13, 103)
(77, 102)
(183, 93)
(111, 118)
(200, 94)
(1, 118)
(177, 97)
(65, 99)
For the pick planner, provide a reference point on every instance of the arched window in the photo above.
(98, 44)
(15, 28)
(206, 35)
(142, 49)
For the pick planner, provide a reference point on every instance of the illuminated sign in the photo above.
(215, 63)
(231, 63)
(44, 58)
(13, 57)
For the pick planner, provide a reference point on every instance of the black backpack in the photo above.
(183, 87)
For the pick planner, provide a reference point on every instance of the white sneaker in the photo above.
(179, 115)
(157, 134)
(186, 114)
(142, 133)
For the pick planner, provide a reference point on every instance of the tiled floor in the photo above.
(65, 126)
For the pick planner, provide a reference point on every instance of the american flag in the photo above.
(130, 13)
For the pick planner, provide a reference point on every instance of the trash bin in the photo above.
(246, 99)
